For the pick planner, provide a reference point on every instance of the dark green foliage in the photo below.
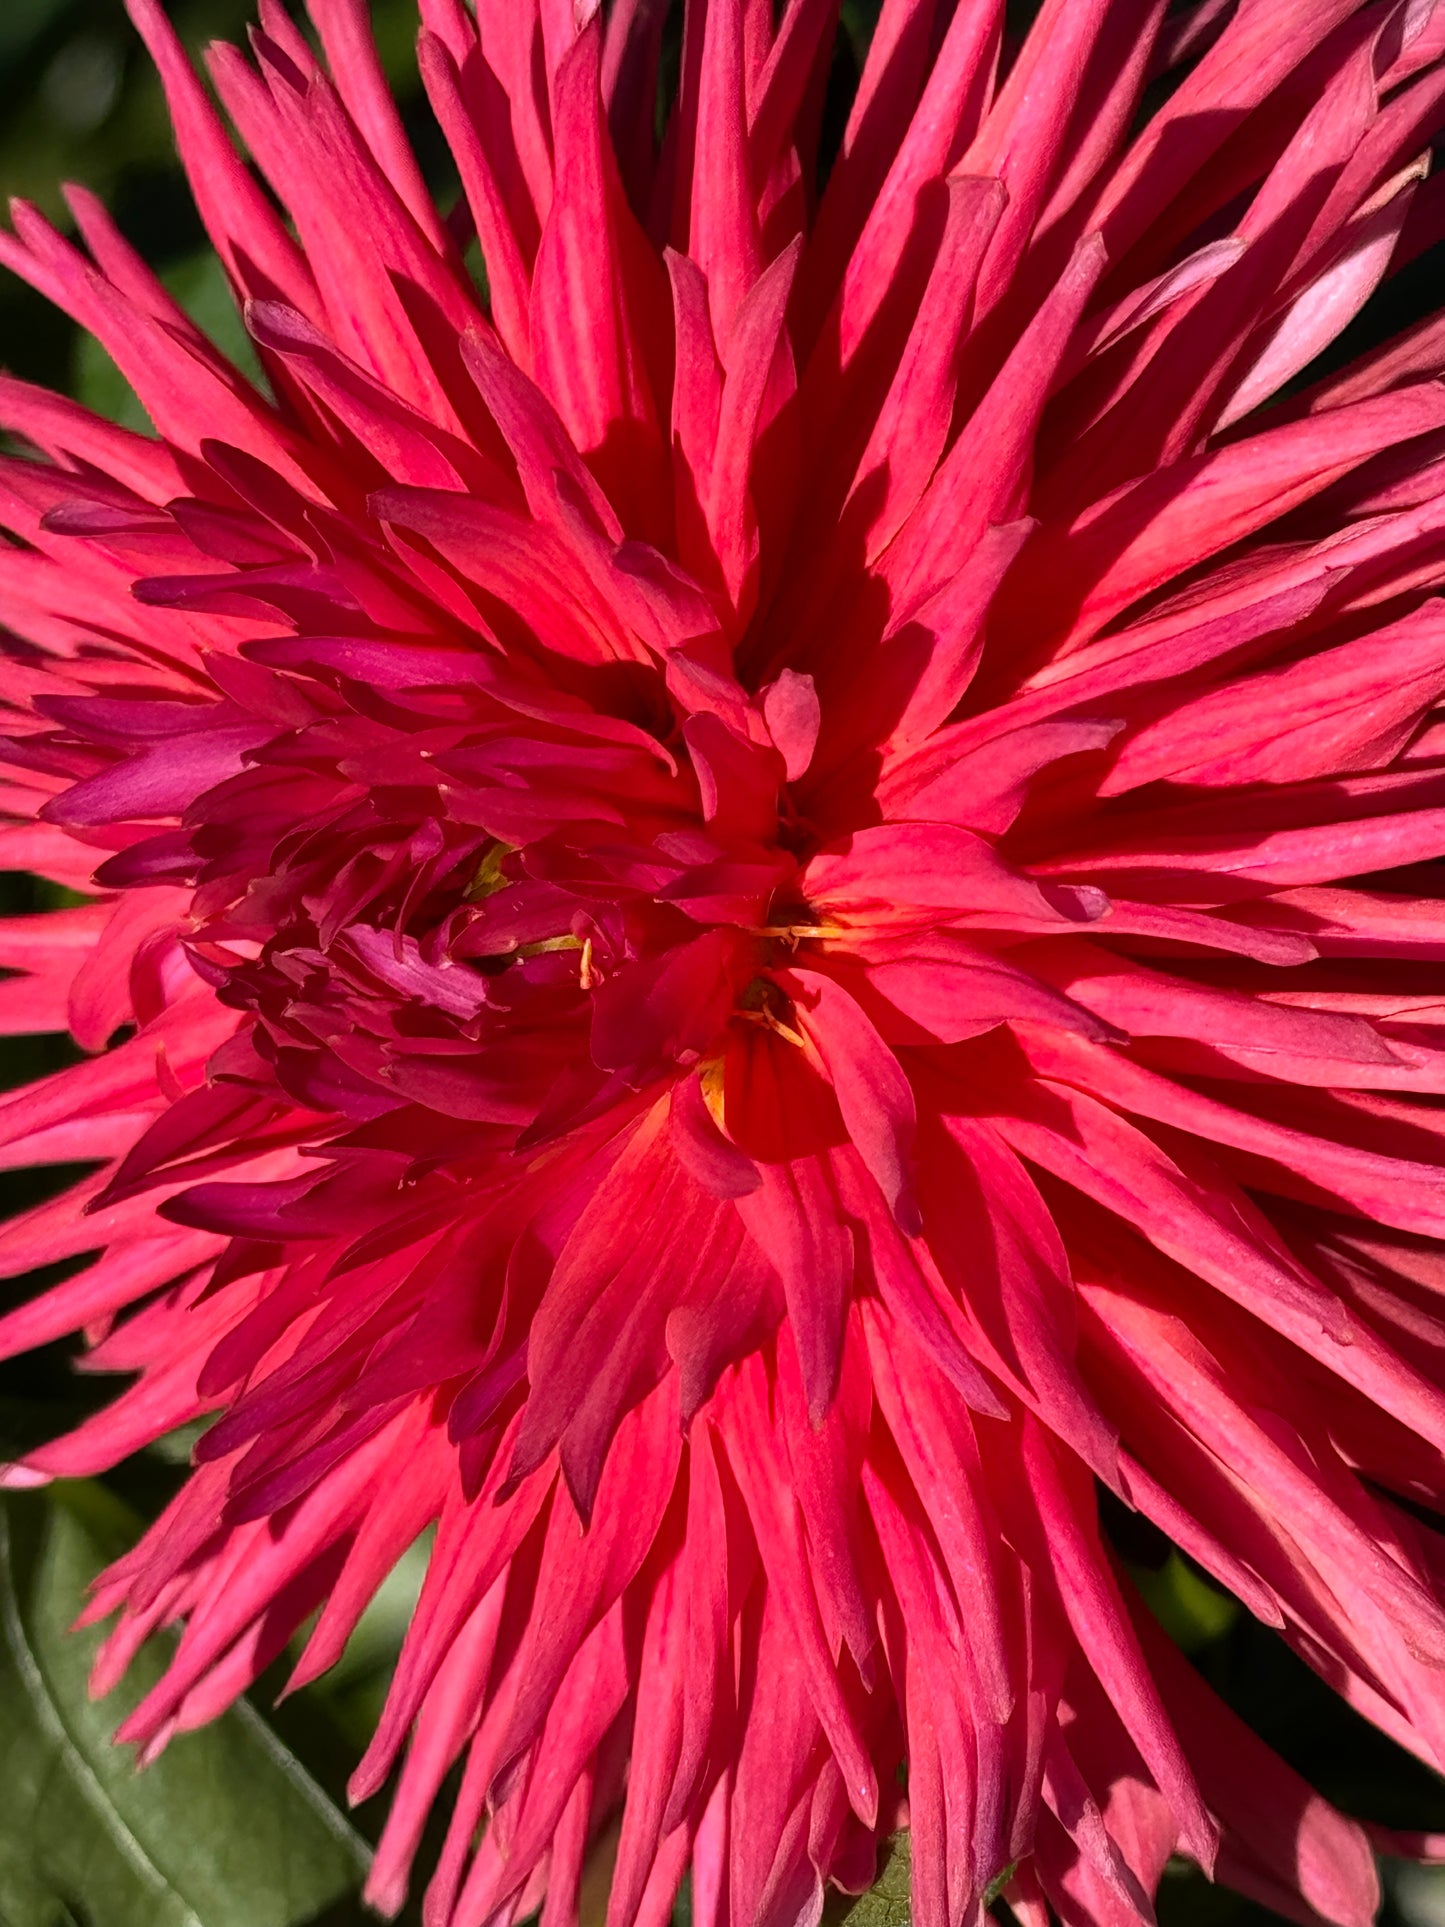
(224, 1830)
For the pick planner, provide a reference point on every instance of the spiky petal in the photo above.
(753, 916)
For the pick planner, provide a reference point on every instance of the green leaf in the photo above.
(354, 1690)
(888, 1902)
(224, 1830)
(1192, 1611)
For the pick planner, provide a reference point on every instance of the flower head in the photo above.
(771, 904)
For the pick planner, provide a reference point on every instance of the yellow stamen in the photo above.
(546, 945)
(711, 1076)
(489, 878)
(770, 1022)
(584, 973)
(796, 933)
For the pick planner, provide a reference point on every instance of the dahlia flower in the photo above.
(761, 907)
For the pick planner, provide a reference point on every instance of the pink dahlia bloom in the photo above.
(774, 905)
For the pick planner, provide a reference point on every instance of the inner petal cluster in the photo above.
(757, 909)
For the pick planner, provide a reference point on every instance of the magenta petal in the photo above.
(757, 857)
(873, 1092)
(719, 1166)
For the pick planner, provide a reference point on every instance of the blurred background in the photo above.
(245, 1825)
